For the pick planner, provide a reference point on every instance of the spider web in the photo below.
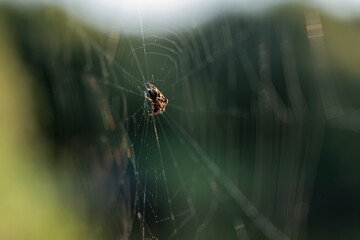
(229, 157)
(233, 156)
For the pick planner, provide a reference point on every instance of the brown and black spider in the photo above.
(157, 99)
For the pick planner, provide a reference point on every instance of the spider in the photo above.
(157, 99)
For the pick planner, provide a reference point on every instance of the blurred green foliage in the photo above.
(67, 173)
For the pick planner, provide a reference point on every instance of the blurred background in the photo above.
(260, 139)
